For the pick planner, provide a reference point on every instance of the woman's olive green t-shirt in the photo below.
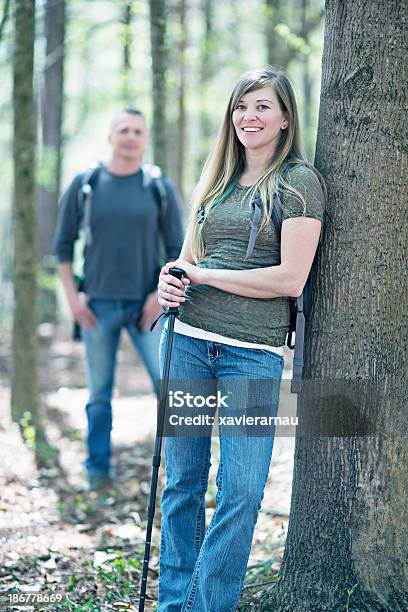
(226, 233)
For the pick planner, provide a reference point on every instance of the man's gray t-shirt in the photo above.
(123, 259)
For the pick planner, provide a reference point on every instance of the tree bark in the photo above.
(274, 46)
(307, 83)
(127, 90)
(182, 115)
(52, 95)
(158, 51)
(348, 533)
(207, 72)
(4, 17)
(24, 379)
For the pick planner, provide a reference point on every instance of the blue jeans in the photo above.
(101, 345)
(203, 570)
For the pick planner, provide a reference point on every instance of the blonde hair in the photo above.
(227, 160)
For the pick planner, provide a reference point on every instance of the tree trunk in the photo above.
(127, 90)
(307, 83)
(51, 120)
(158, 50)
(4, 17)
(348, 533)
(280, 48)
(24, 379)
(274, 43)
(207, 72)
(182, 116)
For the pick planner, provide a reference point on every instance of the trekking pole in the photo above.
(171, 314)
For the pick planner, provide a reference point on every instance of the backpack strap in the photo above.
(276, 216)
(85, 200)
(296, 384)
(152, 178)
(256, 220)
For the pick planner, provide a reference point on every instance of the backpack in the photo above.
(300, 307)
(151, 179)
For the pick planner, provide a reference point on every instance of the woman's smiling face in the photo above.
(258, 119)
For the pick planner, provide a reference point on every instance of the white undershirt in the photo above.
(202, 334)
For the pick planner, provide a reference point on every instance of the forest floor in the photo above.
(77, 550)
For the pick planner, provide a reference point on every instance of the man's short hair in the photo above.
(130, 110)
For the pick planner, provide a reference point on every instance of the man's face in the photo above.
(128, 136)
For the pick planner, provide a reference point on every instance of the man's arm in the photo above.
(67, 232)
(77, 301)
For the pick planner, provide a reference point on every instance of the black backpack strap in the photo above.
(277, 208)
(276, 216)
(152, 178)
(256, 220)
(296, 385)
(85, 200)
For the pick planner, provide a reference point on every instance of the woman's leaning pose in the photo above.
(234, 318)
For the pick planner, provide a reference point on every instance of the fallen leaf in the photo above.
(101, 557)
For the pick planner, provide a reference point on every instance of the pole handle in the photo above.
(178, 273)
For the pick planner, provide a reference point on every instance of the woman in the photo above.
(234, 317)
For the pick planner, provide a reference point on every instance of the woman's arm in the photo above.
(299, 240)
(186, 248)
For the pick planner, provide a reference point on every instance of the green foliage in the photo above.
(45, 452)
(28, 430)
(47, 167)
(47, 281)
(294, 41)
(87, 606)
(75, 436)
(73, 581)
(350, 592)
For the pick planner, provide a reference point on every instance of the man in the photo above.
(126, 218)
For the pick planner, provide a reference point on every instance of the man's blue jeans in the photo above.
(101, 344)
(203, 570)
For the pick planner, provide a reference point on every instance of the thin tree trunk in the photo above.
(274, 43)
(4, 17)
(24, 379)
(51, 119)
(348, 533)
(158, 51)
(307, 83)
(279, 51)
(182, 115)
(127, 93)
(207, 71)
